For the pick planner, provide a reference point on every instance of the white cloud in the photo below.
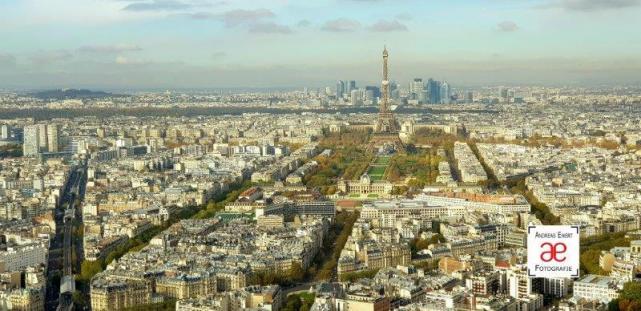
(388, 26)
(507, 26)
(122, 60)
(109, 49)
(341, 25)
(43, 58)
(270, 28)
(593, 5)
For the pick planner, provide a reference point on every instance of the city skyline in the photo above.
(203, 44)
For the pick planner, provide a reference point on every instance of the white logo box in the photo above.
(553, 251)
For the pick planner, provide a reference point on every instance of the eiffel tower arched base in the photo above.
(386, 140)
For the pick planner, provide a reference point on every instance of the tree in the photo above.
(635, 305)
(296, 272)
(613, 305)
(422, 244)
(631, 291)
(293, 303)
(394, 174)
(89, 268)
(437, 238)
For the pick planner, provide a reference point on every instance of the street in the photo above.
(59, 294)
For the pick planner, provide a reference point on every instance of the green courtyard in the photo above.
(376, 172)
(377, 168)
(382, 160)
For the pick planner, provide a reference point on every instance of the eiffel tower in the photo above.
(386, 122)
(386, 128)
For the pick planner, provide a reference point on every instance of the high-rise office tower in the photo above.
(355, 97)
(31, 144)
(416, 85)
(394, 90)
(42, 136)
(350, 86)
(434, 89)
(5, 131)
(446, 93)
(469, 97)
(417, 88)
(340, 89)
(504, 95)
(52, 137)
(368, 95)
(376, 91)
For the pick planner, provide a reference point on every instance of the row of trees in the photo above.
(326, 261)
(218, 203)
(492, 181)
(324, 264)
(345, 138)
(434, 138)
(348, 162)
(540, 210)
(422, 167)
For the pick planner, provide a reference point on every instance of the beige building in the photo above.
(376, 257)
(25, 299)
(268, 298)
(119, 294)
(365, 186)
(227, 281)
(363, 302)
(187, 286)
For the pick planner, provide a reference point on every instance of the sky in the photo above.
(210, 44)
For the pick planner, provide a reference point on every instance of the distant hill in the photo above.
(72, 94)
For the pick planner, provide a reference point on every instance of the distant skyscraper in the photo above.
(42, 133)
(52, 137)
(5, 131)
(504, 95)
(340, 89)
(446, 93)
(434, 90)
(416, 89)
(394, 90)
(469, 97)
(31, 144)
(368, 95)
(355, 97)
(376, 91)
(351, 85)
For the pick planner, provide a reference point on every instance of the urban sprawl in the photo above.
(422, 203)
